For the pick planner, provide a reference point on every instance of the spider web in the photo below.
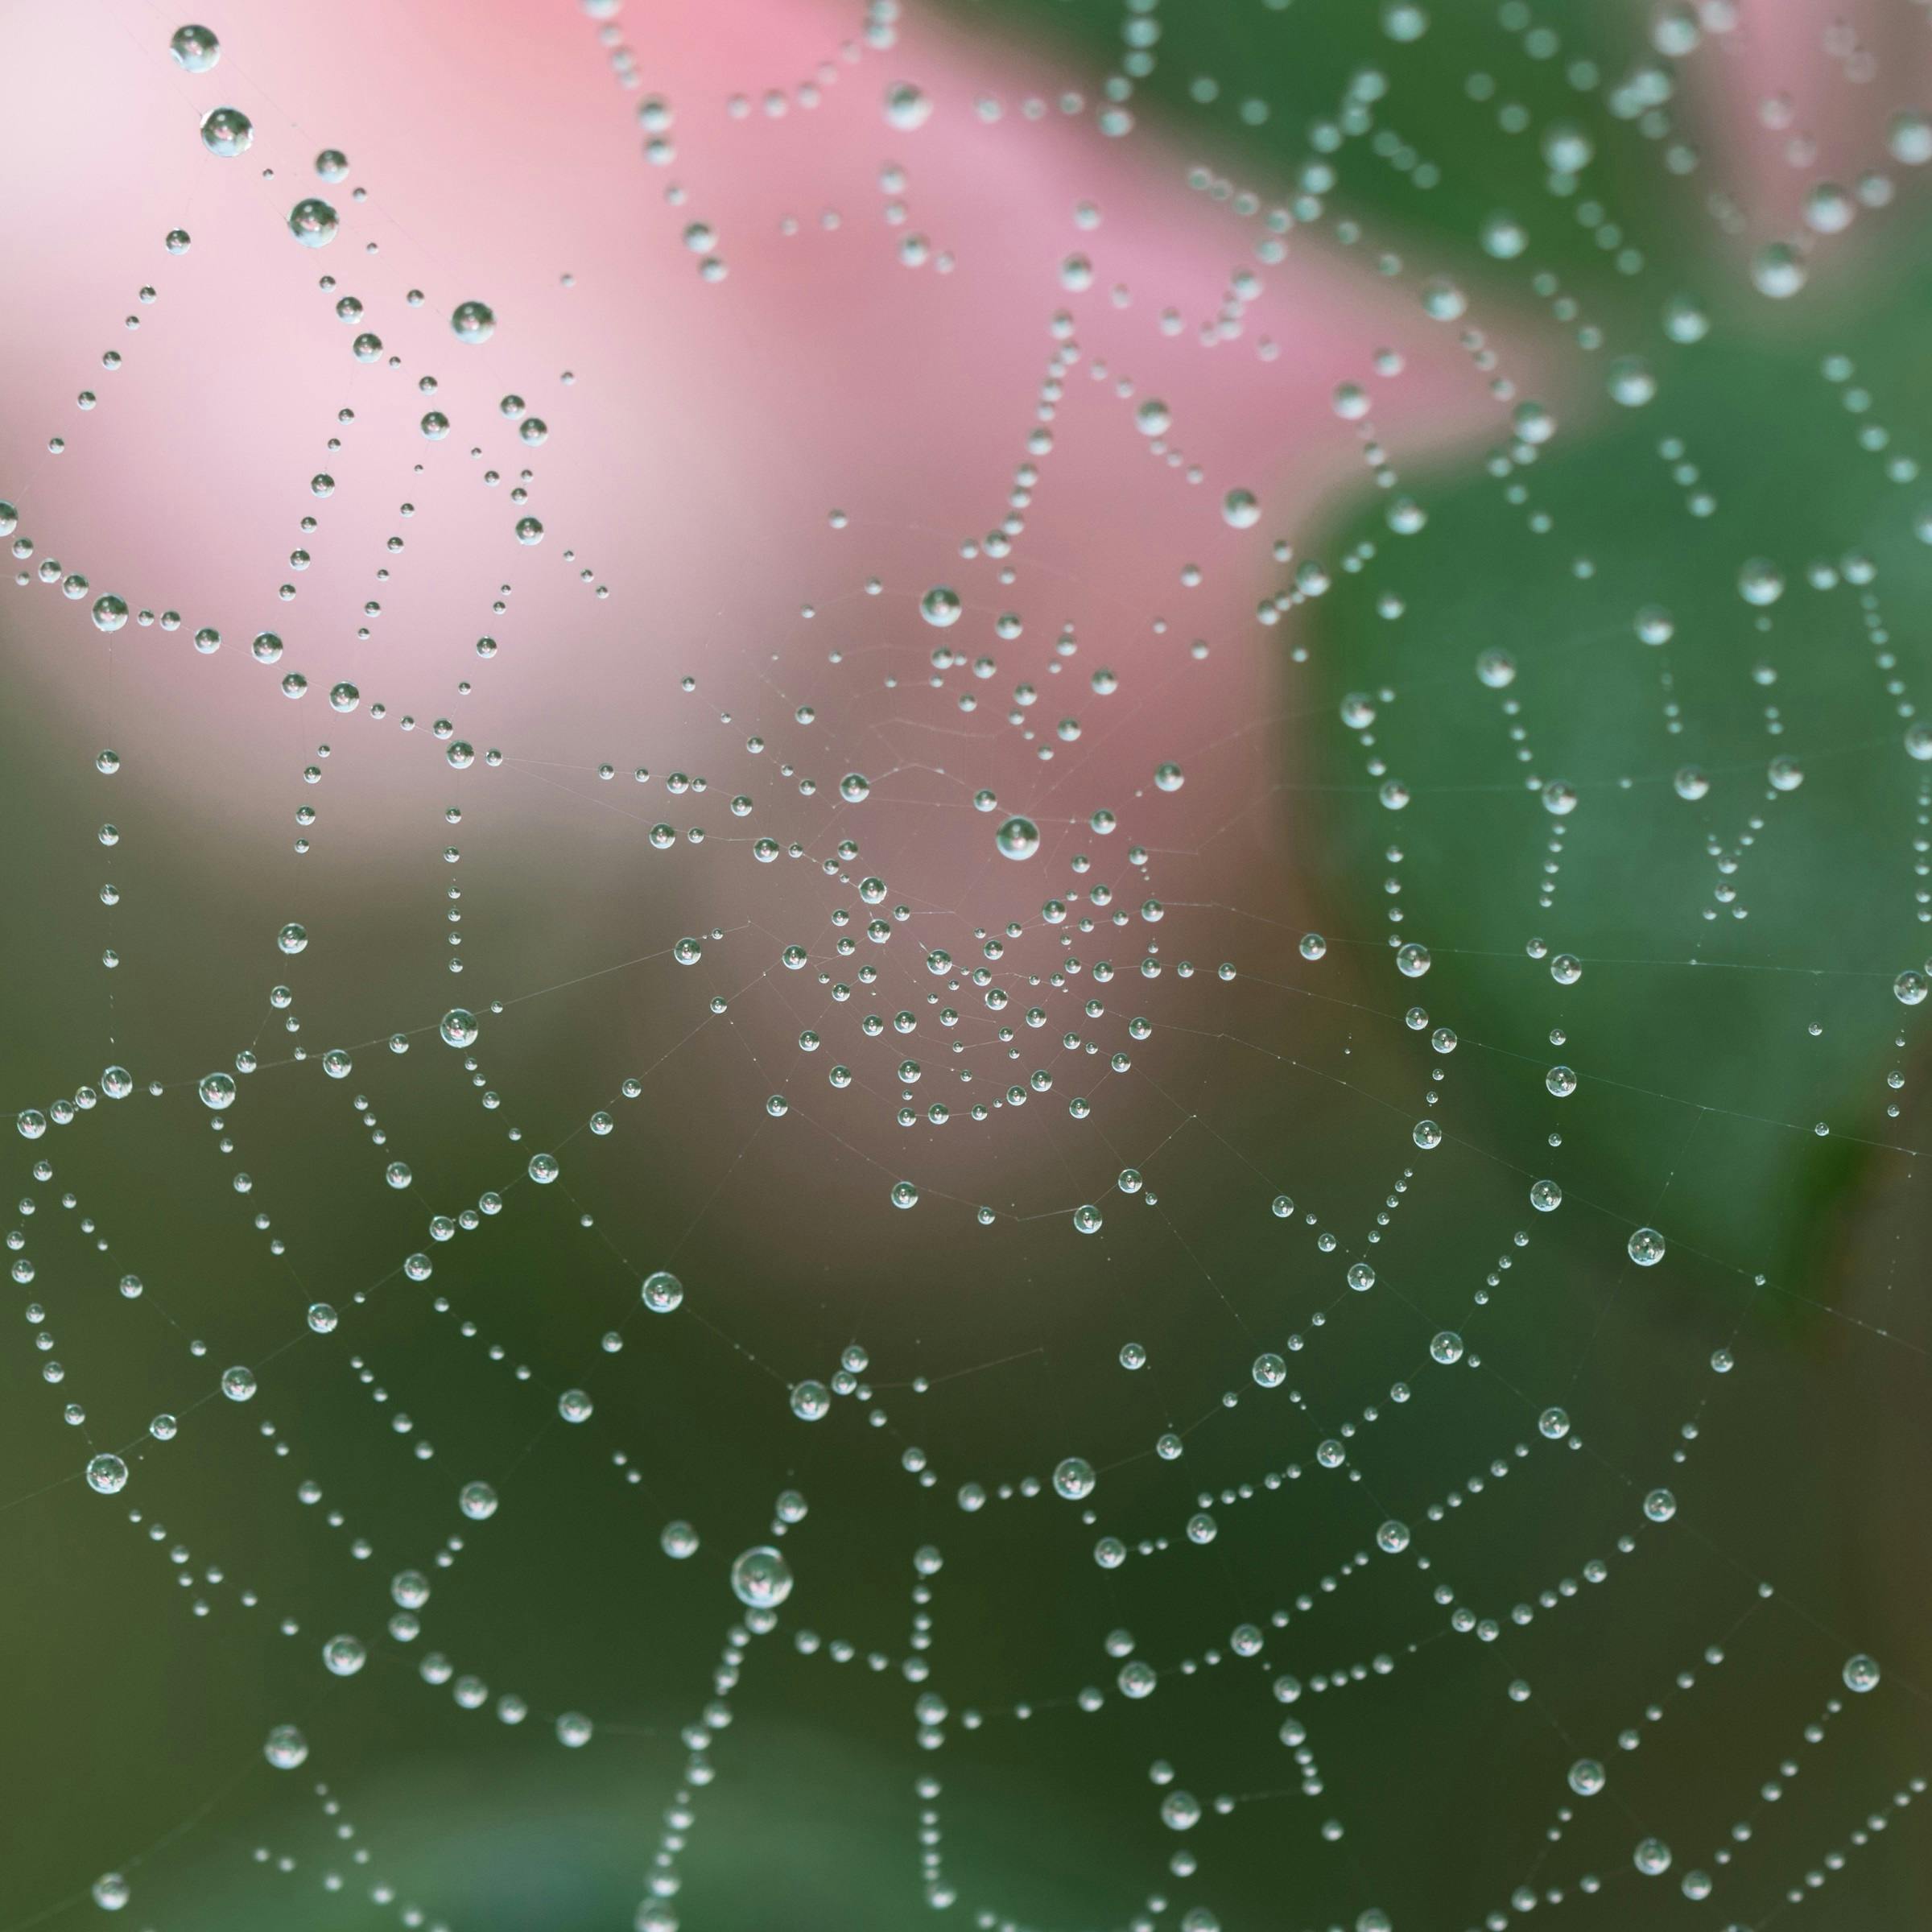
(923, 1001)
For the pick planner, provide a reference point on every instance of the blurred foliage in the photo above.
(1824, 872)
(1455, 122)
(1828, 880)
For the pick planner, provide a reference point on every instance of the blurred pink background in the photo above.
(706, 432)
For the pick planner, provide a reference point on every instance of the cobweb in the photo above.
(963, 959)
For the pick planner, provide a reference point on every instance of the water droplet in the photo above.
(760, 1579)
(474, 321)
(312, 222)
(344, 1656)
(227, 130)
(1073, 1478)
(906, 107)
(662, 1292)
(194, 49)
(1018, 839)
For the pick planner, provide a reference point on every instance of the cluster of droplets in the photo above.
(760, 1576)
